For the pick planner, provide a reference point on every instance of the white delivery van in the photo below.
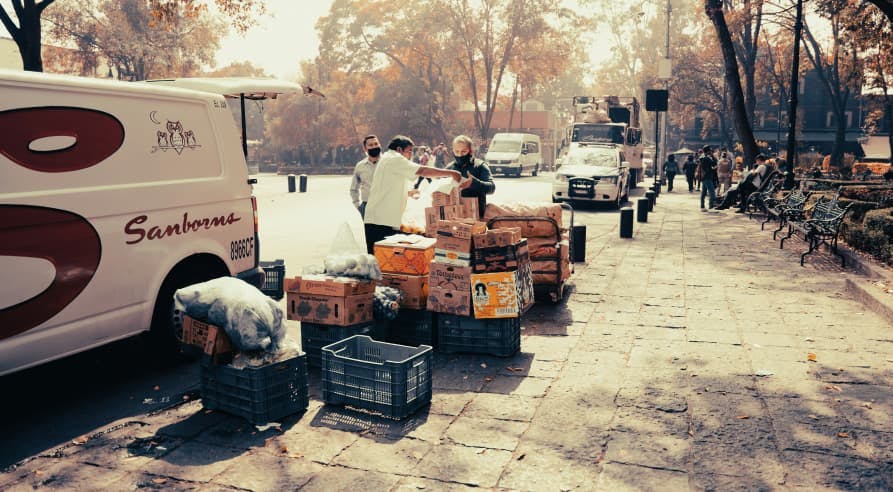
(512, 154)
(113, 195)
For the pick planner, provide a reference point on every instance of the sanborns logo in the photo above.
(185, 227)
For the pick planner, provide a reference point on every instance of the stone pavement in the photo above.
(695, 356)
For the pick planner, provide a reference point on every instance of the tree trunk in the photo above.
(713, 9)
(888, 115)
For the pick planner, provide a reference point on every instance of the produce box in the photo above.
(315, 336)
(405, 254)
(259, 394)
(505, 236)
(470, 207)
(413, 287)
(210, 339)
(329, 310)
(454, 258)
(449, 301)
(463, 334)
(438, 213)
(393, 380)
(439, 199)
(450, 277)
(327, 285)
(502, 294)
(455, 235)
(500, 258)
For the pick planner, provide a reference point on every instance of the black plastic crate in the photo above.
(464, 334)
(259, 394)
(315, 336)
(274, 278)
(392, 380)
(411, 327)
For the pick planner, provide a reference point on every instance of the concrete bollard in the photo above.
(652, 198)
(642, 205)
(626, 222)
(291, 183)
(303, 187)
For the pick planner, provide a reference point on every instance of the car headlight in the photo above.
(561, 178)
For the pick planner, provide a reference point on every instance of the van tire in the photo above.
(163, 333)
(536, 170)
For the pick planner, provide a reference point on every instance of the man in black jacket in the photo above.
(481, 182)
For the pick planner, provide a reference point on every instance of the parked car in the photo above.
(592, 173)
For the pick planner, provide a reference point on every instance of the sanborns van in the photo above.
(112, 196)
(513, 154)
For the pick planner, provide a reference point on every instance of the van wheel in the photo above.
(163, 334)
(536, 170)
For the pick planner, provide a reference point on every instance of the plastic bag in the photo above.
(347, 257)
(252, 320)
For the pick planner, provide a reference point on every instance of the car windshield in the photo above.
(505, 146)
(597, 133)
(592, 157)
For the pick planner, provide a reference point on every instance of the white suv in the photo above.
(592, 173)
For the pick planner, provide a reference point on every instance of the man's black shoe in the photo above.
(739, 211)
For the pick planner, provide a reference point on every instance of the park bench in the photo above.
(822, 226)
(766, 191)
(784, 209)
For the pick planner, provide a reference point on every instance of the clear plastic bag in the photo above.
(347, 257)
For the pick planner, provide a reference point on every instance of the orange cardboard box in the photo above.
(449, 301)
(450, 277)
(414, 288)
(501, 294)
(329, 310)
(210, 338)
(404, 254)
(505, 236)
(449, 257)
(327, 285)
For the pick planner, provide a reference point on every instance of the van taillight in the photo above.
(256, 235)
(254, 209)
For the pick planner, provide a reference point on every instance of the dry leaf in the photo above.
(38, 472)
(159, 481)
(522, 456)
(743, 417)
(833, 387)
(514, 369)
(813, 417)
(283, 449)
(866, 405)
(843, 434)
(488, 379)
(80, 440)
(481, 451)
(811, 357)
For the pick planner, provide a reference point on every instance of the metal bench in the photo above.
(822, 226)
(788, 208)
(757, 199)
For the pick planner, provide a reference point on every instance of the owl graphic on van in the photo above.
(173, 137)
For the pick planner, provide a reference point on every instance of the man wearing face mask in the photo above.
(480, 182)
(391, 186)
(363, 172)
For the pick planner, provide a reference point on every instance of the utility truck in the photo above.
(613, 120)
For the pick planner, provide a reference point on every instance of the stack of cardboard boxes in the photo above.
(405, 263)
(330, 309)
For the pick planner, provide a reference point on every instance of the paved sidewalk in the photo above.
(680, 361)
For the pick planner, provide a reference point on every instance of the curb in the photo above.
(879, 303)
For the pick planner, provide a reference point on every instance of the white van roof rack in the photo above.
(250, 88)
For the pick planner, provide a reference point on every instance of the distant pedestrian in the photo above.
(424, 159)
(689, 168)
(724, 173)
(440, 156)
(671, 168)
(707, 171)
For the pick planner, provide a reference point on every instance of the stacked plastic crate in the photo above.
(501, 291)
(404, 261)
(330, 309)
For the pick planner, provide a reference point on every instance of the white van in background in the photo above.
(512, 154)
(114, 195)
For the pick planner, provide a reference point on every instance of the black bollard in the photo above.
(626, 222)
(291, 183)
(642, 210)
(303, 183)
(656, 189)
(579, 238)
(651, 199)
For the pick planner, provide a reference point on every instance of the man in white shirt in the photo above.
(391, 187)
(363, 172)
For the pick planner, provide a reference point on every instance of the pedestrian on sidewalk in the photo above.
(390, 189)
(671, 168)
(724, 173)
(707, 170)
(689, 168)
(363, 172)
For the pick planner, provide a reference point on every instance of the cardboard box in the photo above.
(327, 285)
(505, 236)
(501, 294)
(470, 207)
(460, 228)
(329, 310)
(455, 258)
(454, 238)
(211, 339)
(449, 301)
(500, 258)
(404, 254)
(450, 277)
(439, 199)
(438, 213)
(414, 288)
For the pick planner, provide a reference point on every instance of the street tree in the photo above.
(714, 11)
(26, 34)
(873, 34)
(745, 19)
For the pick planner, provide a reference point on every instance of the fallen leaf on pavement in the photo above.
(809, 339)
(843, 434)
(866, 405)
(38, 472)
(80, 440)
(159, 481)
(481, 451)
(488, 379)
(811, 357)
(743, 417)
(156, 388)
(813, 417)
(832, 387)
(283, 449)
(484, 365)
(514, 369)
(521, 457)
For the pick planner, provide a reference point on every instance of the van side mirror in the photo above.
(524, 151)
